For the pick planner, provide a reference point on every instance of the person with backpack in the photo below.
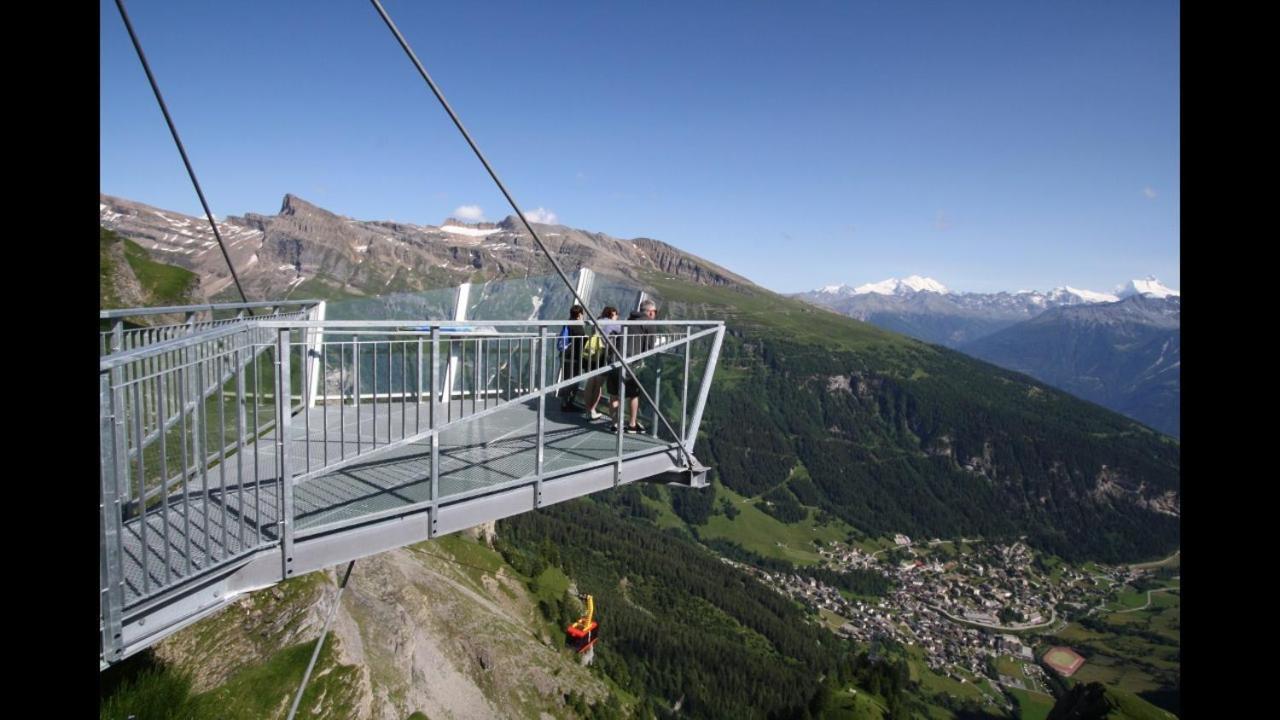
(594, 356)
(570, 344)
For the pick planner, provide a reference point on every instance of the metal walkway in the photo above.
(392, 433)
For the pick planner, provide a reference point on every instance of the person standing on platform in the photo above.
(569, 343)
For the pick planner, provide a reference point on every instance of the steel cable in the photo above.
(173, 130)
(537, 240)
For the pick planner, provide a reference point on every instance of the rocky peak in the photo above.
(294, 205)
(476, 225)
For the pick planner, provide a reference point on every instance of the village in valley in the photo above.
(982, 614)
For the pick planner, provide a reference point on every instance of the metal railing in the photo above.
(243, 437)
(120, 336)
(158, 406)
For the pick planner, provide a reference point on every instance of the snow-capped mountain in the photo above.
(1120, 349)
(924, 308)
(1148, 286)
(1067, 295)
(906, 286)
(893, 286)
(1123, 355)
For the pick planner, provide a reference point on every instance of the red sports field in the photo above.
(1064, 660)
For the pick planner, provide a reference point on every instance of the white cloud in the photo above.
(541, 215)
(472, 213)
(1151, 194)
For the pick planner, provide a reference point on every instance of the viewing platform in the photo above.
(393, 432)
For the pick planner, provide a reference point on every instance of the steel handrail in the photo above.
(173, 309)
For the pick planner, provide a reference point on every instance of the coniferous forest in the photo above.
(898, 436)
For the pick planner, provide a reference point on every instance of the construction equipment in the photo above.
(582, 633)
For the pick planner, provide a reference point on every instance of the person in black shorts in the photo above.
(639, 339)
(570, 345)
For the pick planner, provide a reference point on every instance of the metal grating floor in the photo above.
(239, 513)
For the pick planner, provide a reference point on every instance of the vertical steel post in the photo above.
(112, 575)
(404, 388)
(684, 390)
(704, 389)
(184, 383)
(657, 397)
(241, 365)
(533, 380)
(241, 428)
(324, 407)
(200, 429)
(542, 415)
(622, 408)
(313, 349)
(222, 455)
(305, 388)
(164, 482)
(259, 338)
(283, 417)
(142, 488)
(355, 371)
(417, 408)
(434, 421)
(391, 350)
(117, 335)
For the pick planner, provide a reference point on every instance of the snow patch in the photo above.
(1066, 293)
(470, 232)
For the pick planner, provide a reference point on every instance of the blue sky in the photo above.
(990, 145)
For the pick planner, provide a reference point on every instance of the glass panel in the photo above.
(621, 293)
(425, 305)
(542, 297)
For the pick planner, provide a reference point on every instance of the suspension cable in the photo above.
(537, 240)
(173, 130)
(306, 676)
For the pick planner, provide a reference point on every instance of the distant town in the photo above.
(971, 607)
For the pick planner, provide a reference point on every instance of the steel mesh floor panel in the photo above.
(474, 454)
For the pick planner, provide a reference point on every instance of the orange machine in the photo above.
(583, 632)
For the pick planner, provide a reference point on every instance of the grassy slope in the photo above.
(764, 534)
(1095, 701)
(161, 284)
(255, 674)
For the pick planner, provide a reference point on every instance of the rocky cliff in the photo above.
(307, 250)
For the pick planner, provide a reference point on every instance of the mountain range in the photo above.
(1118, 349)
(307, 251)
